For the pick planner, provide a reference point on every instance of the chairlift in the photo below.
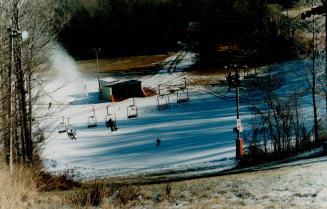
(249, 75)
(71, 130)
(163, 102)
(132, 111)
(229, 77)
(92, 120)
(183, 95)
(110, 116)
(62, 126)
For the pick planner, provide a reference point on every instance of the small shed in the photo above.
(113, 90)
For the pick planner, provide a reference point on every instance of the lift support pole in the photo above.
(234, 81)
(239, 140)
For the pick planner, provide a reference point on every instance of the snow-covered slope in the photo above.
(193, 135)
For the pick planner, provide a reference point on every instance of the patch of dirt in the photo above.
(121, 64)
(149, 92)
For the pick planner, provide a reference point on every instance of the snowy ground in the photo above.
(194, 135)
(299, 184)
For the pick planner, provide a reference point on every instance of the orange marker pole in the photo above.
(239, 148)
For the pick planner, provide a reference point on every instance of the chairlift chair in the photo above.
(62, 126)
(71, 130)
(250, 76)
(132, 111)
(92, 120)
(183, 96)
(110, 116)
(163, 102)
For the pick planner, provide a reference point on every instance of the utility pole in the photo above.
(97, 50)
(237, 102)
(234, 82)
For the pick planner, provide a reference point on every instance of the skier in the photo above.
(158, 142)
(71, 134)
(112, 125)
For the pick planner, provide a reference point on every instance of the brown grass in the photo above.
(48, 182)
(149, 92)
(301, 186)
(121, 64)
(17, 189)
(98, 194)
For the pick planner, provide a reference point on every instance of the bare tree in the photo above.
(22, 66)
(311, 39)
(278, 125)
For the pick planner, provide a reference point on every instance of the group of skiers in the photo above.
(109, 124)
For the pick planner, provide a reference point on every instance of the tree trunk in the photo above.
(313, 87)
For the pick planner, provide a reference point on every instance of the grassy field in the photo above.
(298, 185)
(122, 64)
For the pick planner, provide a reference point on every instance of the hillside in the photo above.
(299, 184)
(197, 136)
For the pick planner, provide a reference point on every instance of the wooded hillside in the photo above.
(128, 27)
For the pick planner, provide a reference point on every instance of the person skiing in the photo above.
(158, 142)
(71, 134)
(112, 125)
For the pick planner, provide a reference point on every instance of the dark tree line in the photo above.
(124, 27)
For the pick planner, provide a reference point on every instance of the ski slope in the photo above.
(194, 136)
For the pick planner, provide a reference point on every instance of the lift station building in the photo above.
(113, 90)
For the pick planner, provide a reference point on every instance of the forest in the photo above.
(131, 27)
